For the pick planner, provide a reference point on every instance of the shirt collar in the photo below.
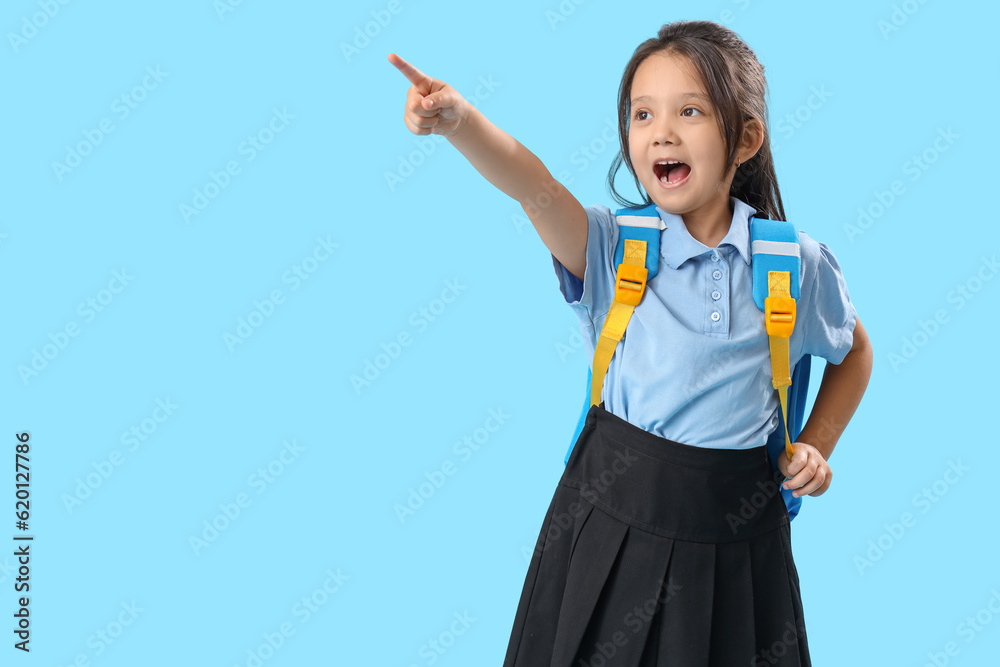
(677, 245)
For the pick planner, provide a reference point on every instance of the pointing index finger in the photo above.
(415, 76)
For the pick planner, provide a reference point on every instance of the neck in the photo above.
(710, 225)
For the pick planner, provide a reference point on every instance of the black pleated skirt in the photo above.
(654, 552)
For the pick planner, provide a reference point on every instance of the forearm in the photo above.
(501, 158)
(839, 395)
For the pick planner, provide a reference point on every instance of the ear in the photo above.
(752, 139)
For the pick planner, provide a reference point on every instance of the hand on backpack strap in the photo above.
(809, 472)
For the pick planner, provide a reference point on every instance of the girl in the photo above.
(639, 560)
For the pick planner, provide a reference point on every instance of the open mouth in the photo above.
(671, 172)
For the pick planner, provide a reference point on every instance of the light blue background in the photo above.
(500, 344)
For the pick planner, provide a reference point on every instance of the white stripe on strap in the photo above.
(775, 248)
(651, 221)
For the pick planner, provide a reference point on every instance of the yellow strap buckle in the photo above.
(779, 318)
(779, 315)
(631, 282)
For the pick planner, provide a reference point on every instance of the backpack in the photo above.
(775, 262)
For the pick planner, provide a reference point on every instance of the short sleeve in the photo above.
(591, 298)
(825, 314)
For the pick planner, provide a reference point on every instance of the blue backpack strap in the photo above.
(774, 246)
(642, 223)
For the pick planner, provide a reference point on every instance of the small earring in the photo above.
(738, 163)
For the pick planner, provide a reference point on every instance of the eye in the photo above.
(690, 109)
(641, 111)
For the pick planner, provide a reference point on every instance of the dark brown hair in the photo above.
(734, 80)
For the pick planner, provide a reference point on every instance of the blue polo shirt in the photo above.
(694, 364)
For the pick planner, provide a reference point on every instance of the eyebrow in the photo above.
(682, 96)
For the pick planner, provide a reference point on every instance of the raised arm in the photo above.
(434, 107)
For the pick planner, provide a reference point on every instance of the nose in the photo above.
(663, 131)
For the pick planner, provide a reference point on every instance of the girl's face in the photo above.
(672, 119)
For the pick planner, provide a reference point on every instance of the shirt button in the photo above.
(716, 316)
(715, 257)
(717, 274)
(716, 295)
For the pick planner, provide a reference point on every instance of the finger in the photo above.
(425, 123)
(796, 467)
(825, 485)
(415, 76)
(802, 477)
(413, 127)
(797, 462)
(817, 482)
(414, 102)
(442, 99)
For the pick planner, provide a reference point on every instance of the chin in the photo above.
(672, 202)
